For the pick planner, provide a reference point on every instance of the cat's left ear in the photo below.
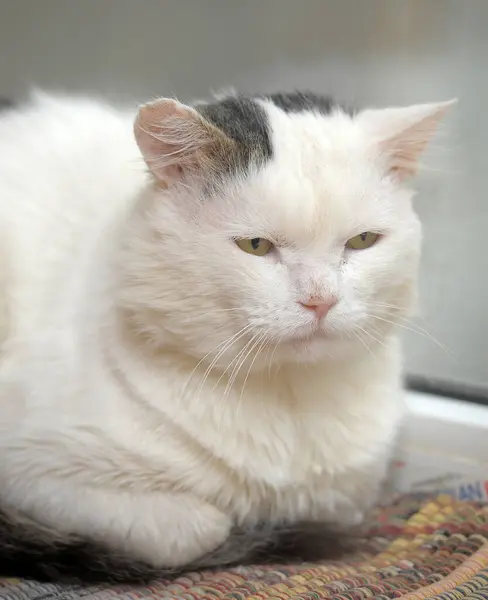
(177, 142)
(402, 134)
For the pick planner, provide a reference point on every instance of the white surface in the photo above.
(444, 444)
(447, 409)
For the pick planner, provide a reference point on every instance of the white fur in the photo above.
(114, 290)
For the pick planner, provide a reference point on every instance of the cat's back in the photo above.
(67, 165)
(63, 158)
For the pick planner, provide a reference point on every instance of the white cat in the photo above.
(199, 350)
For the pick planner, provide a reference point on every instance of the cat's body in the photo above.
(112, 427)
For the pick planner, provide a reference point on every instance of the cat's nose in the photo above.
(319, 306)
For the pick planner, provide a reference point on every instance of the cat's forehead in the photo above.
(327, 156)
(303, 124)
(248, 120)
(305, 163)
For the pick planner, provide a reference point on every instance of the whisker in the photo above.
(410, 319)
(373, 332)
(278, 341)
(224, 346)
(419, 331)
(262, 343)
(243, 357)
(232, 341)
(227, 388)
(362, 340)
(416, 328)
(236, 357)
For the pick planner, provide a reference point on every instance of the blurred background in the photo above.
(364, 52)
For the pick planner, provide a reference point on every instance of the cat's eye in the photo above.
(362, 241)
(257, 246)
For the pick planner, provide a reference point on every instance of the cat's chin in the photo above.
(317, 335)
(319, 346)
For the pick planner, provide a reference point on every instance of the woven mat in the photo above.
(417, 548)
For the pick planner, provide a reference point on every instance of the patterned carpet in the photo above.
(417, 548)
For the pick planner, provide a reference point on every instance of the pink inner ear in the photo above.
(402, 134)
(162, 131)
(404, 152)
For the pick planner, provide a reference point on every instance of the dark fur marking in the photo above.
(295, 102)
(244, 120)
(32, 550)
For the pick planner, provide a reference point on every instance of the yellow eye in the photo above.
(256, 246)
(362, 241)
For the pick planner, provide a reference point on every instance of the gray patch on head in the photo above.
(296, 102)
(244, 121)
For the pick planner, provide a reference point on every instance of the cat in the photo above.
(199, 355)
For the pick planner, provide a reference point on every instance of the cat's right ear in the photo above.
(177, 142)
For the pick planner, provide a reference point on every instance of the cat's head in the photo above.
(281, 224)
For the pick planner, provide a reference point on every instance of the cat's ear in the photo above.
(175, 141)
(402, 134)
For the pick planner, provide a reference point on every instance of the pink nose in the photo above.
(320, 307)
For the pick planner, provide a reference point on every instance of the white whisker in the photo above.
(419, 331)
(362, 340)
(243, 357)
(236, 358)
(262, 343)
(224, 346)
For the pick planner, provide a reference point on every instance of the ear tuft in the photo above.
(175, 140)
(402, 134)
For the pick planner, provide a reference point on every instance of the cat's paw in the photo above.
(346, 513)
(186, 537)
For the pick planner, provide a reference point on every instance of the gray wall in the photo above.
(365, 51)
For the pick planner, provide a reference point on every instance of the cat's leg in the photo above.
(164, 530)
(334, 526)
(355, 492)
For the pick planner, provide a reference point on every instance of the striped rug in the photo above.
(418, 547)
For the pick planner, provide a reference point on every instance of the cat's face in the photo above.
(310, 252)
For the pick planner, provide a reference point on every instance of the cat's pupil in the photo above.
(255, 243)
(363, 236)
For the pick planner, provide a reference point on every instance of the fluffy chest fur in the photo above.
(280, 445)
